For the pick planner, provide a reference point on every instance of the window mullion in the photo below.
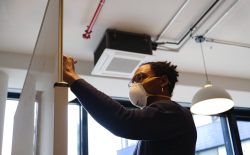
(226, 136)
(234, 134)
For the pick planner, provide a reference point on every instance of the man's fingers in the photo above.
(69, 59)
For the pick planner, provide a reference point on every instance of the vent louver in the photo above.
(120, 53)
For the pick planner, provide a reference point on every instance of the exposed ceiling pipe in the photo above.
(229, 9)
(191, 30)
(88, 31)
(172, 20)
(227, 42)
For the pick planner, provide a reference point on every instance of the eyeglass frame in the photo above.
(142, 77)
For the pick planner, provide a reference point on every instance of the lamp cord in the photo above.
(204, 63)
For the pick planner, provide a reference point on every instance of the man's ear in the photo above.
(164, 81)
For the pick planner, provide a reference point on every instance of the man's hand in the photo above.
(69, 74)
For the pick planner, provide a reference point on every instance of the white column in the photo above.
(61, 119)
(3, 97)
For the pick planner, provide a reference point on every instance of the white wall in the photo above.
(188, 83)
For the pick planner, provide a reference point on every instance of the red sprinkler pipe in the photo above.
(88, 31)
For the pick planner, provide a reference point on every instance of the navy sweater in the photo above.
(162, 128)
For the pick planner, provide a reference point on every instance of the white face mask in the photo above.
(138, 95)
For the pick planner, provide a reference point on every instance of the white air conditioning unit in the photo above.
(117, 63)
(120, 53)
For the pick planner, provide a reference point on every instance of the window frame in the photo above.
(234, 115)
(231, 118)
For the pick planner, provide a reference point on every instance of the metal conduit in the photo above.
(227, 42)
(229, 9)
(88, 31)
(192, 28)
(172, 20)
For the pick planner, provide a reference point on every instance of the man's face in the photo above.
(145, 72)
(142, 73)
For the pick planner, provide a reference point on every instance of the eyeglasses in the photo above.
(138, 78)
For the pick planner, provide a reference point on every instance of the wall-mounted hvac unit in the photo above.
(120, 53)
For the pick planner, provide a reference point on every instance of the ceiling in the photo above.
(174, 22)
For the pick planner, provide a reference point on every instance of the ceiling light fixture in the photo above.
(210, 99)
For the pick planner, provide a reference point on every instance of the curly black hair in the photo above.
(165, 68)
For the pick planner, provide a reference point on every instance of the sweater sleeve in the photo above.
(100, 106)
(151, 122)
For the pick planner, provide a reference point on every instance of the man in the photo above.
(161, 126)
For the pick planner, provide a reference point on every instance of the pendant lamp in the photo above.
(210, 99)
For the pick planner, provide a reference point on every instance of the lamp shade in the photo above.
(211, 100)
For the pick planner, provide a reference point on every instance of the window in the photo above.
(87, 137)
(244, 132)
(212, 137)
(101, 141)
(216, 135)
(74, 113)
(10, 110)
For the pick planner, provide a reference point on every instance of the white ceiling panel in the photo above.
(234, 26)
(20, 22)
